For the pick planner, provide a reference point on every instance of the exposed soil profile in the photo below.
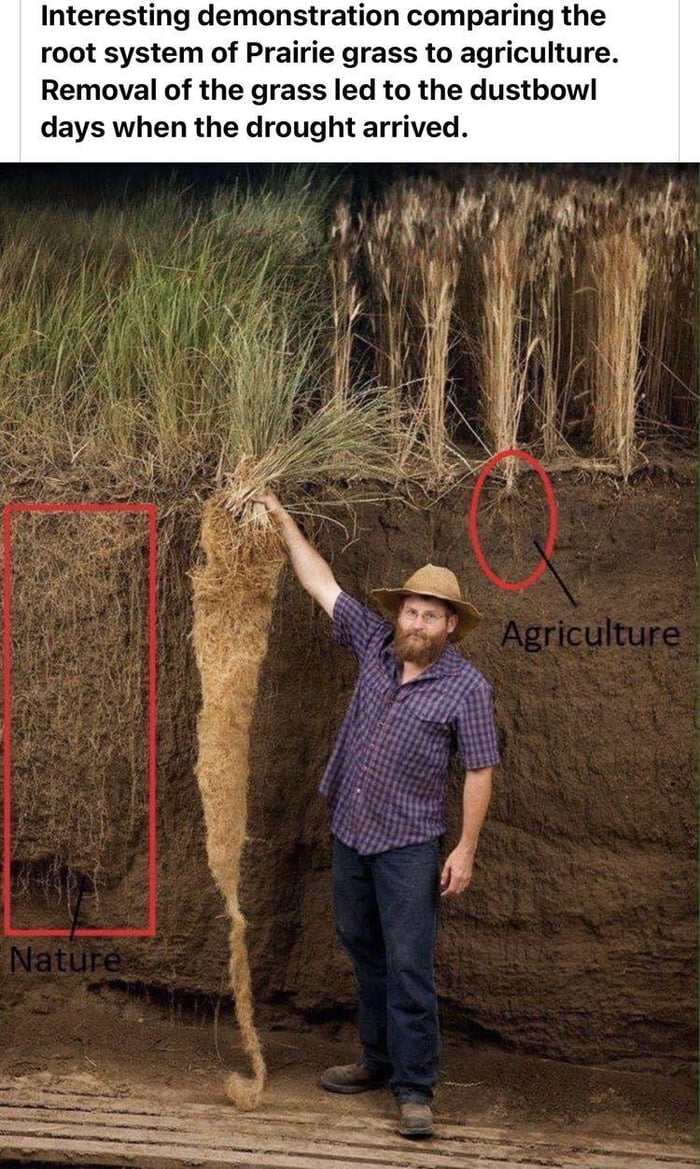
(576, 938)
(79, 706)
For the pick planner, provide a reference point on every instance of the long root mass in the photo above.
(234, 593)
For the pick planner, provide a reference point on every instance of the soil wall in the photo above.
(576, 937)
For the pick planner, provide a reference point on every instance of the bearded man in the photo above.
(417, 702)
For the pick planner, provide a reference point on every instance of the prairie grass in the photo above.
(347, 302)
(281, 432)
(120, 330)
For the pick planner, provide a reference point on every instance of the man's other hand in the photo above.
(456, 872)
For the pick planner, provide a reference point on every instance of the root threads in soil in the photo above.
(234, 592)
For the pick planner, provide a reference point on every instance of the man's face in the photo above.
(422, 628)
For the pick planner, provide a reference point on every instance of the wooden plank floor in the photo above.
(62, 1128)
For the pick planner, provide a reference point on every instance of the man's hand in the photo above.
(313, 572)
(269, 499)
(456, 872)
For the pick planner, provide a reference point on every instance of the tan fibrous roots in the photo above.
(78, 628)
(234, 592)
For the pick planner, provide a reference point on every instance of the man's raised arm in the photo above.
(312, 571)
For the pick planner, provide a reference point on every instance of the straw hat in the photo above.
(431, 581)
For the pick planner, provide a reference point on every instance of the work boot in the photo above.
(415, 1119)
(354, 1077)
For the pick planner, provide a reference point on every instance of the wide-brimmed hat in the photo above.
(431, 581)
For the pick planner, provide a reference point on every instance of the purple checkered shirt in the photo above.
(386, 780)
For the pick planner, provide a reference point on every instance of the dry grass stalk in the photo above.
(548, 287)
(620, 271)
(668, 229)
(122, 328)
(439, 280)
(390, 271)
(234, 592)
(438, 264)
(468, 218)
(347, 305)
(553, 251)
(504, 354)
(525, 306)
(412, 247)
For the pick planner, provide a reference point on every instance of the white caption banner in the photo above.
(201, 80)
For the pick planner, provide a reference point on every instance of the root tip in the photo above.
(244, 1094)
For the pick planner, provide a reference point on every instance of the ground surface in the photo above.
(61, 1127)
(110, 1069)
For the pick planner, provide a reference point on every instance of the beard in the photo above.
(419, 648)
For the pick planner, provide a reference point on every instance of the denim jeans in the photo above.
(386, 918)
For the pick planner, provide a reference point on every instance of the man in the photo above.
(416, 702)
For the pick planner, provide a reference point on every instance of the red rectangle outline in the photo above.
(148, 931)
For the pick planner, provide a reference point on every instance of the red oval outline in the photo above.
(513, 586)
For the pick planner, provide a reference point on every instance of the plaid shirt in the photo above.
(387, 777)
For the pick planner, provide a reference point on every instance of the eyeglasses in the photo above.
(428, 618)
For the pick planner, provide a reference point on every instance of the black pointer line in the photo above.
(77, 906)
(552, 569)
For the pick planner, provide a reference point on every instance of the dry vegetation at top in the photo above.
(557, 313)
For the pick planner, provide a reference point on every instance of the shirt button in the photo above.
(359, 790)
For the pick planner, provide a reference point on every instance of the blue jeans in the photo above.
(386, 918)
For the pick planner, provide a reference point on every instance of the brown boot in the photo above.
(353, 1077)
(415, 1119)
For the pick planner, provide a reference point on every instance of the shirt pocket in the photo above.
(435, 726)
(436, 709)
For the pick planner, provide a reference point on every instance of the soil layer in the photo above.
(575, 940)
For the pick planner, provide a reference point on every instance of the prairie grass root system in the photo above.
(234, 592)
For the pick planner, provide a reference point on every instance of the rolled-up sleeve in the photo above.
(354, 625)
(476, 731)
